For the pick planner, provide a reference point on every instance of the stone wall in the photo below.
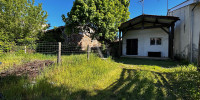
(83, 40)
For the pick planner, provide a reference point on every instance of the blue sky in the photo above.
(56, 8)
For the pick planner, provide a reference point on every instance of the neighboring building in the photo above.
(81, 39)
(187, 29)
(148, 36)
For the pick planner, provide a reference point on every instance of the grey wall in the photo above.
(187, 32)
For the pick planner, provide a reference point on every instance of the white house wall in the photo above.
(196, 31)
(144, 46)
(187, 31)
(181, 34)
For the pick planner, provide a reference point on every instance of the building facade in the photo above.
(148, 36)
(149, 40)
(187, 30)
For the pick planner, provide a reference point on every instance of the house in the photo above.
(187, 30)
(147, 36)
(81, 39)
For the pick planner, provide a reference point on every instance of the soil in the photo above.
(31, 69)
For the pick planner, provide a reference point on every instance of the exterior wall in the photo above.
(144, 46)
(187, 32)
(196, 31)
(182, 33)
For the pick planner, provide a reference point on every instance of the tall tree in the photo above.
(20, 21)
(103, 16)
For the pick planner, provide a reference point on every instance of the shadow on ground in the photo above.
(137, 61)
(146, 85)
(132, 85)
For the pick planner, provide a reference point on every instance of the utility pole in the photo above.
(142, 1)
(167, 6)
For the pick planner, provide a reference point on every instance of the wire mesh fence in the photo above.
(52, 48)
(134, 82)
(47, 48)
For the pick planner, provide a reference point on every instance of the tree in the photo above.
(20, 21)
(103, 16)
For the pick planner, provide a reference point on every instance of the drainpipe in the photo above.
(191, 35)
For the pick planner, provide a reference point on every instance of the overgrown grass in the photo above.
(78, 73)
(13, 59)
(77, 79)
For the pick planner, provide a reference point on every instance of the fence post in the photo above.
(108, 53)
(88, 52)
(59, 53)
(25, 49)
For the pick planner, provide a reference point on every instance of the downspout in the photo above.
(191, 35)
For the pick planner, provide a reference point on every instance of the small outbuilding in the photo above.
(147, 36)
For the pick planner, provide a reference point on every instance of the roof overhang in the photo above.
(183, 4)
(148, 21)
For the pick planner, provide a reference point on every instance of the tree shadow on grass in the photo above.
(148, 85)
(186, 84)
(136, 61)
(132, 85)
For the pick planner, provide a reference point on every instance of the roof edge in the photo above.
(146, 15)
(183, 4)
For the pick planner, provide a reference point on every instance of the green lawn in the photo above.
(125, 78)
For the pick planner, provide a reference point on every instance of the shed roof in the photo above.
(148, 21)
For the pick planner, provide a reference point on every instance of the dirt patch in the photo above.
(31, 69)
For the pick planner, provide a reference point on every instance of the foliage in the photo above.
(20, 22)
(102, 16)
(52, 36)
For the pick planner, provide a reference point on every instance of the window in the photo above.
(155, 41)
(158, 41)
